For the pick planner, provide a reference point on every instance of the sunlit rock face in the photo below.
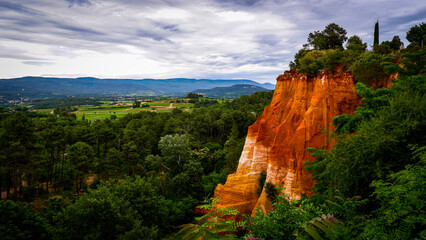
(300, 110)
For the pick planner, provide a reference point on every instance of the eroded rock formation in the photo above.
(300, 110)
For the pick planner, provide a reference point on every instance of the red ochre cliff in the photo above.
(300, 110)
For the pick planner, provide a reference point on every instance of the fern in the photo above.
(212, 225)
(324, 225)
(344, 207)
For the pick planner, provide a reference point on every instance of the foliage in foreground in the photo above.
(401, 214)
(218, 223)
(20, 222)
(129, 209)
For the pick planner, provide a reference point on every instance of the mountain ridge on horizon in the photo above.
(34, 87)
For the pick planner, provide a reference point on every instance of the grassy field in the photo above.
(182, 105)
(91, 112)
(159, 103)
(106, 111)
(46, 110)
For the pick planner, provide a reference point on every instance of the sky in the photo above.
(214, 39)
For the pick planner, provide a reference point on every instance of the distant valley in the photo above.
(41, 87)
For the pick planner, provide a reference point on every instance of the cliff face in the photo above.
(300, 109)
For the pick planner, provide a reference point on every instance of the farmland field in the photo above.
(91, 112)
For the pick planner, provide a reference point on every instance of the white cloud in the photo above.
(235, 16)
(169, 13)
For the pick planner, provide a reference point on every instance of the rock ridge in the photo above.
(276, 143)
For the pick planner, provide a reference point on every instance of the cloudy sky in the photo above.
(218, 39)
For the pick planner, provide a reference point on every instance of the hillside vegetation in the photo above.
(231, 92)
(371, 185)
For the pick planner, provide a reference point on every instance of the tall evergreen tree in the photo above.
(17, 144)
(376, 33)
(81, 156)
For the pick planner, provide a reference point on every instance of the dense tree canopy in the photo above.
(355, 44)
(170, 159)
(417, 34)
(20, 222)
(332, 37)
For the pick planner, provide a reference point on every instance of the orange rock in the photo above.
(300, 110)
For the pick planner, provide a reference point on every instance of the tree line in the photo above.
(325, 50)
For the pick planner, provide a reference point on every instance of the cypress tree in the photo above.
(376, 33)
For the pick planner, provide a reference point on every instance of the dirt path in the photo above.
(165, 108)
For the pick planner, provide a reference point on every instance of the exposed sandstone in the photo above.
(300, 110)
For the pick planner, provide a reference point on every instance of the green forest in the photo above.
(141, 176)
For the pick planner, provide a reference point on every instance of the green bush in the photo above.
(316, 60)
(402, 207)
(368, 69)
(112, 211)
(286, 221)
(312, 62)
(262, 179)
(20, 222)
(271, 192)
(332, 59)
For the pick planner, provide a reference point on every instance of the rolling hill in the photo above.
(233, 91)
